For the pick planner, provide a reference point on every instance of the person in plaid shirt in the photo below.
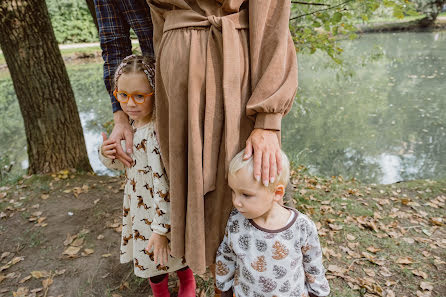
(115, 18)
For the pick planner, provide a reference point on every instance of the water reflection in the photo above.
(384, 124)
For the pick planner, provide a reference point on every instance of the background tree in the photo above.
(431, 9)
(53, 130)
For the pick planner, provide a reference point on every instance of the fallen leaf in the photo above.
(370, 272)
(78, 242)
(44, 196)
(390, 283)
(21, 292)
(436, 221)
(423, 294)
(373, 249)
(47, 282)
(385, 272)
(405, 261)
(389, 293)
(40, 274)
(69, 239)
(71, 251)
(2, 277)
(426, 286)
(408, 240)
(25, 279)
(87, 252)
(4, 255)
(60, 272)
(350, 237)
(420, 273)
(100, 236)
(105, 255)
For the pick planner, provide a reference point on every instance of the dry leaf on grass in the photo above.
(4, 255)
(105, 255)
(423, 294)
(369, 272)
(385, 272)
(69, 239)
(420, 273)
(100, 236)
(47, 282)
(21, 292)
(389, 293)
(87, 252)
(78, 242)
(405, 261)
(72, 251)
(44, 196)
(426, 286)
(373, 249)
(25, 279)
(40, 274)
(350, 237)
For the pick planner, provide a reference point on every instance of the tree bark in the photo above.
(53, 129)
(90, 4)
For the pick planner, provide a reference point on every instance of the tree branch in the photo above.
(308, 3)
(316, 11)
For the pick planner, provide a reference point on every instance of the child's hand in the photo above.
(108, 148)
(160, 246)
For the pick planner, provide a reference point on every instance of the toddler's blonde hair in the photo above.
(238, 163)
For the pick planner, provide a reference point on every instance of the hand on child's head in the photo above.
(108, 147)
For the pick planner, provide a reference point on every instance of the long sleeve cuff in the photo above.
(268, 121)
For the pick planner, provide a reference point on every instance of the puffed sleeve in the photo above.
(113, 164)
(225, 264)
(315, 280)
(161, 220)
(273, 63)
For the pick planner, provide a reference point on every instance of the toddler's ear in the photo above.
(279, 192)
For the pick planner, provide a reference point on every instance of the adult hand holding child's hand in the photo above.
(108, 147)
(122, 131)
(161, 250)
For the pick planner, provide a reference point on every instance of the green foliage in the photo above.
(320, 24)
(72, 21)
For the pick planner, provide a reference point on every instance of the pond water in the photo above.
(381, 119)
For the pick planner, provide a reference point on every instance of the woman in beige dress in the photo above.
(226, 74)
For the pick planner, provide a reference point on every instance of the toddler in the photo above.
(268, 249)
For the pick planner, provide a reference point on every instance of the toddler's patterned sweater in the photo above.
(253, 261)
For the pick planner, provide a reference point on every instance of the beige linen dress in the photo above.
(223, 68)
(146, 204)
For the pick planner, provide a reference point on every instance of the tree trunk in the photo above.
(90, 4)
(52, 125)
(432, 9)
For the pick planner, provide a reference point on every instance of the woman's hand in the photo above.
(108, 147)
(122, 130)
(161, 250)
(267, 157)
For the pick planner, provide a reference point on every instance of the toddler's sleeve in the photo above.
(113, 164)
(315, 279)
(161, 220)
(225, 264)
(273, 63)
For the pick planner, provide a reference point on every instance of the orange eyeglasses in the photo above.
(138, 98)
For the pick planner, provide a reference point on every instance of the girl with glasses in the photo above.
(146, 210)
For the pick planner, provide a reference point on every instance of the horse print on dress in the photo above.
(141, 203)
(125, 239)
(141, 145)
(139, 266)
(162, 267)
(146, 221)
(133, 183)
(165, 196)
(150, 254)
(159, 211)
(125, 211)
(139, 235)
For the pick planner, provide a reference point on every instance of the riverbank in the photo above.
(60, 236)
(396, 25)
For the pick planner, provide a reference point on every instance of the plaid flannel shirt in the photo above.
(115, 18)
